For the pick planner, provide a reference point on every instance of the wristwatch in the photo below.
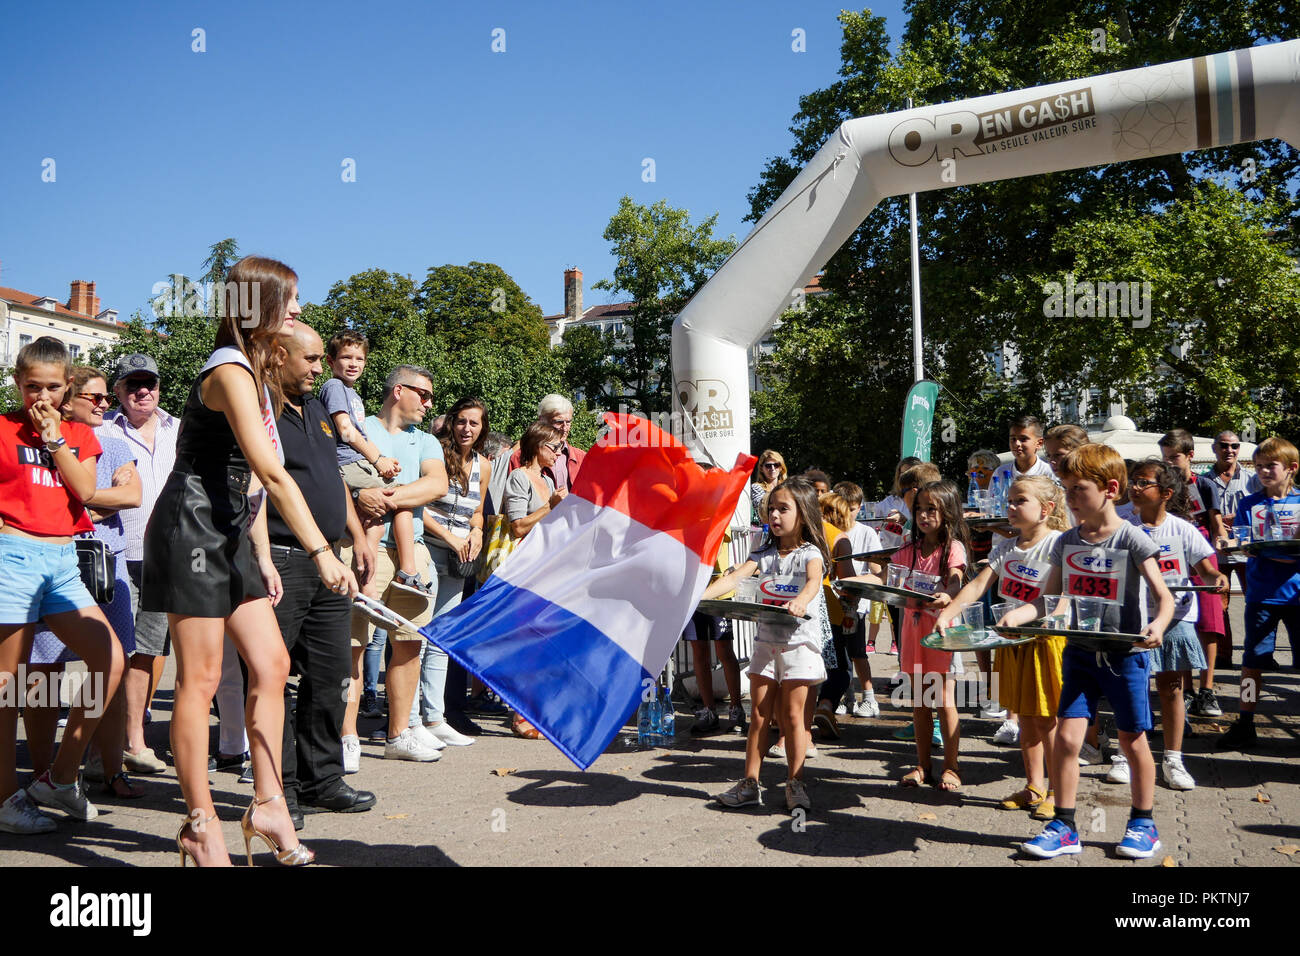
(55, 445)
(356, 494)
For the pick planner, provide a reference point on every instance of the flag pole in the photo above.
(918, 370)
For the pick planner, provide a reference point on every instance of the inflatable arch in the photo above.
(1192, 104)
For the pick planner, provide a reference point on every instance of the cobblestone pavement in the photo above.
(652, 807)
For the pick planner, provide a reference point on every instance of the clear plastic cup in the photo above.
(1087, 613)
(1002, 609)
(896, 575)
(747, 590)
(973, 617)
(1242, 533)
(1060, 612)
(985, 503)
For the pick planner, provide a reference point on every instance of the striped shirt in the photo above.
(454, 509)
(154, 465)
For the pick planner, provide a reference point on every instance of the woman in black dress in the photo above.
(199, 566)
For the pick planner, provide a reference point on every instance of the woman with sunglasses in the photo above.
(770, 473)
(117, 487)
(530, 497)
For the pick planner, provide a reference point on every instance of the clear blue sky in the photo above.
(517, 158)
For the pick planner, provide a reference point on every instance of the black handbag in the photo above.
(98, 568)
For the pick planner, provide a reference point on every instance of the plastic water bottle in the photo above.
(972, 493)
(1272, 526)
(1004, 490)
(644, 727)
(995, 491)
(667, 719)
(656, 720)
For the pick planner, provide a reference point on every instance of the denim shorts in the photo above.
(1123, 678)
(39, 579)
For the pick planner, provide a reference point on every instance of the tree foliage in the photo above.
(988, 249)
(662, 261)
(464, 304)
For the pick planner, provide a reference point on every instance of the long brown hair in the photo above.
(810, 516)
(256, 294)
(457, 473)
(947, 496)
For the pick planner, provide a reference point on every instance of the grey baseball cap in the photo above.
(134, 364)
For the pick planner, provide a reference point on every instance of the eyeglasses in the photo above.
(555, 446)
(135, 384)
(771, 464)
(425, 394)
(1234, 445)
(1143, 483)
(95, 398)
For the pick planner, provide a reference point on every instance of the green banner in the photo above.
(918, 419)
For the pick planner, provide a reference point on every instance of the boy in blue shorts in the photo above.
(1105, 557)
(1272, 581)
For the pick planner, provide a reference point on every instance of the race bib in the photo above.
(777, 589)
(1021, 580)
(1288, 516)
(1095, 572)
(1172, 560)
(1195, 506)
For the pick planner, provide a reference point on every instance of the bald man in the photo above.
(314, 621)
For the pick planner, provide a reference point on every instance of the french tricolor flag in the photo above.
(592, 602)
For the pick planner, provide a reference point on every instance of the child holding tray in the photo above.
(1029, 676)
(1103, 557)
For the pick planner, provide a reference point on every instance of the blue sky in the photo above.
(461, 153)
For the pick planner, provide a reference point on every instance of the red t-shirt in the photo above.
(32, 496)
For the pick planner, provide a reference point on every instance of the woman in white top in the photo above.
(769, 473)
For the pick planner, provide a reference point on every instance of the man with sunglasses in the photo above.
(396, 432)
(1232, 483)
(151, 434)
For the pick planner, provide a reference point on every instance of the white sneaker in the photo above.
(842, 710)
(796, 795)
(992, 710)
(1176, 774)
(867, 707)
(448, 734)
(743, 794)
(1119, 772)
(1008, 735)
(811, 753)
(19, 815)
(409, 747)
(351, 754)
(71, 800)
(426, 737)
(1090, 756)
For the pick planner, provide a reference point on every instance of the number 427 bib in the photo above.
(1095, 572)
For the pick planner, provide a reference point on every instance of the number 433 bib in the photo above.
(1095, 572)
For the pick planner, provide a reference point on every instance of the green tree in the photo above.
(583, 354)
(179, 343)
(480, 301)
(221, 256)
(662, 261)
(986, 249)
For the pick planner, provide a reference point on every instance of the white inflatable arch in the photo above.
(1193, 104)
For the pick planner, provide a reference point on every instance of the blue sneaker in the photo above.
(1055, 840)
(936, 738)
(1141, 839)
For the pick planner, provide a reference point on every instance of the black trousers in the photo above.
(315, 623)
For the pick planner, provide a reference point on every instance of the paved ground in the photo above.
(651, 807)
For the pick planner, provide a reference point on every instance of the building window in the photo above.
(74, 351)
(24, 340)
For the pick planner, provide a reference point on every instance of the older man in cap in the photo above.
(151, 433)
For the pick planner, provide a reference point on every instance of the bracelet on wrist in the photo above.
(322, 549)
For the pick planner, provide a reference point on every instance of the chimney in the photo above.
(94, 300)
(79, 300)
(572, 294)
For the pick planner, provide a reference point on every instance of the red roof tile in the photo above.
(27, 299)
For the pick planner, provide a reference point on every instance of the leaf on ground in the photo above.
(396, 816)
(1260, 798)
(1168, 861)
(1290, 849)
(927, 816)
(504, 771)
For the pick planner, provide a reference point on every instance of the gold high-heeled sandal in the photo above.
(298, 856)
(181, 832)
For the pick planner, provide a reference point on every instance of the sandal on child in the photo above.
(1025, 799)
(522, 728)
(915, 778)
(950, 781)
(1046, 810)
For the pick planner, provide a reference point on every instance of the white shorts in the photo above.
(782, 662)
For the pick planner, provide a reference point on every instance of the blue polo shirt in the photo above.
(410, 447)
(1269, 580)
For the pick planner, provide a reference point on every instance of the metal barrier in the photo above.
(742, 632)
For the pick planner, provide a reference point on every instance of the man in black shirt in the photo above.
(313, 619)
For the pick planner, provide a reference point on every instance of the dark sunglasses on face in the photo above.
(1233, 445)
(95, 398)
(771, 464)
(135, 384)
(555, 446)
(425, 394)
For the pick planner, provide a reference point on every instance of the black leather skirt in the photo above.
(198, 559)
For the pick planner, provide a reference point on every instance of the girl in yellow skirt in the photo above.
(1029, 675)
